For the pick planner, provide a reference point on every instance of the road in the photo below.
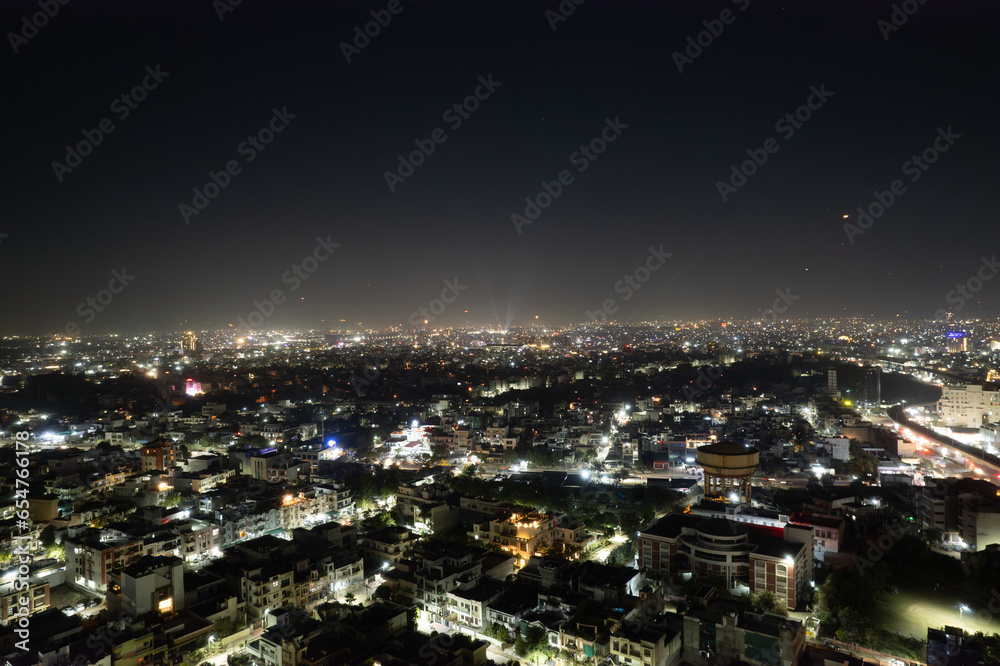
(602, 554)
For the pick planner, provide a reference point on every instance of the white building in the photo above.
(968, 406)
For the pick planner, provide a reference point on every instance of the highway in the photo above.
(987, 464)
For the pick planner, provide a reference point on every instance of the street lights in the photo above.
(962, 608)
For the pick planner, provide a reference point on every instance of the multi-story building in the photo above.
(827, 532)
(736, 554)
(386, 546)
(957, 342)
(969, 405)
(266, 586)
(722, 633)
(855, 383)
(425, 507)
(964, 510)
(158, 456)
(94, 554)
(12, 592)
(438, 568)
(468, 606)
(647, 645)
(199, 538)
(344, 572)
(521, 534)
(151, 584)
(569, 532)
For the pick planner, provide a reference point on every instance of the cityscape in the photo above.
(506, 333)
(699, 493)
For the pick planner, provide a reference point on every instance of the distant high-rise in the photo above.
(861, 384)
(190, 343)
(957, 342)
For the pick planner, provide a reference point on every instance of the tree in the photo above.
(860, 464)
(440, 451)
(990, 646)
(380, 521)
(412, 616)
(623, 554)
(225, 627)
(252, 442)
(350, 598)
(499, 632)
(768, 602)
(48, 536)
(533, 643)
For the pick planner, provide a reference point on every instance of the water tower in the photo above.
(728, 468)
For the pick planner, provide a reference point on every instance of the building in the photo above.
(827, 532)
(468, 606)
(266, 586)
(521, 534)
(386, 546)
(37, 593)
(425, 506)
(738, 555)
(158, 456)
(722, 633)
(151, 584)
(969, 405)
(438, 568)
(199, 538)
(965, 511)
(647, 645)
(728, 470)
(93, 555)
(957, 342)
(190, 344)
(858, 384)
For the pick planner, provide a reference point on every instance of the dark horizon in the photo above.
(373, 250)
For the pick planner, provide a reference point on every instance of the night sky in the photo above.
(656, 184)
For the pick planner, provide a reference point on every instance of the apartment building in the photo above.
(522, 534)
(969, 405)
(682, 546)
